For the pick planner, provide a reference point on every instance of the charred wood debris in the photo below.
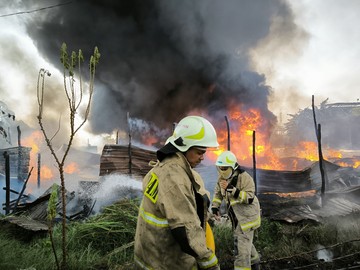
(290, 196)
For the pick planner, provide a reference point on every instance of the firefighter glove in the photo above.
(230, 188)
(233, 191)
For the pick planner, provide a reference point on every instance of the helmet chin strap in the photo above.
(179, 141)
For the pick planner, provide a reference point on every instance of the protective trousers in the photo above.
(245, 251)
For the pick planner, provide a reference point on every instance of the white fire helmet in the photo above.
(193, 131)
(226, 163)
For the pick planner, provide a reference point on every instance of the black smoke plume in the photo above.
(162, 59)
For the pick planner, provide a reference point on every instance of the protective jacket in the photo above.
(170, 228)
(242, 204)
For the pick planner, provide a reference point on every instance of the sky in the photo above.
(327, 65)
(162, 59)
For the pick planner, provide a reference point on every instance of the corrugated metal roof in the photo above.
(342, 190)
(340, 202)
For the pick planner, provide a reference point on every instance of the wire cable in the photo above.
(312, 251)
(35, 10)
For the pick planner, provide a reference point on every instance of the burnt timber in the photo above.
(290, 196)
(19, 161)
(32, 216)
(125, 160)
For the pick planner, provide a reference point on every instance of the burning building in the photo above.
(162, 60)
(14, 160)
(18, 156)
(338, 125)
(284, 195)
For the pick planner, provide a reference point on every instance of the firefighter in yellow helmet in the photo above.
(237, 188)
(170, 232)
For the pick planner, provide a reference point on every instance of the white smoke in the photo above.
(114, 188)
(7, 118)
(146, 127)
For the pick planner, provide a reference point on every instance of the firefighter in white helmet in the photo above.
(237, 188)
(170, 232)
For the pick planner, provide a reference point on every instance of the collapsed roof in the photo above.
(285, 195)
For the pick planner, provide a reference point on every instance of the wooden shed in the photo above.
(125, 159)
(19, 158)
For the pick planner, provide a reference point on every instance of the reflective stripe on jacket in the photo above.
(171, 218)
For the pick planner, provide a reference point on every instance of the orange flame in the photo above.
(354, 164)
(243, 125)
(307, 150)
(35, 141)
(150, 140)
(301, 194)
(71, 168)
(331, 153)
(249, 124)
(46, 172)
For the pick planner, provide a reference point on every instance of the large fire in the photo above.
(245, 125)
(242, 126)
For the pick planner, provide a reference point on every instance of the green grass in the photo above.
(37, 254)
(285, 246)
(105, 241)
(102, 242)
(299, 242)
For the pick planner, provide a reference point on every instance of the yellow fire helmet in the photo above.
(227, 159)
(193, 131)
(226, 163)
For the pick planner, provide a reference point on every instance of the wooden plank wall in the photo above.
(19, 161)
(116, 159)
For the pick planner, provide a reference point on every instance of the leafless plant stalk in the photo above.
(75, 95)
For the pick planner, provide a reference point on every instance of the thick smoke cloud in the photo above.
(162, 59)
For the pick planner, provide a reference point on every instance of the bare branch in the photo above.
(74, 100)
(58, 129)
